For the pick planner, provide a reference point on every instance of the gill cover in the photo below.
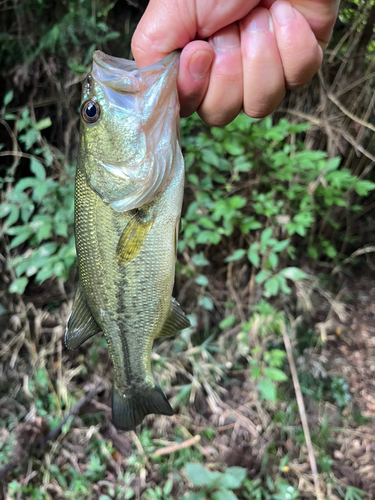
(133, 148)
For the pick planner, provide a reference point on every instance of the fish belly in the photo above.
(129, 302)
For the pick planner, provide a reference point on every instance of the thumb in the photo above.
(165, 26)
(168, 25)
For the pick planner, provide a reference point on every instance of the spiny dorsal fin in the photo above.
(176, 320)
(81, 325)
(133, 237)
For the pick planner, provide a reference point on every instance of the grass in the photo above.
(223, 419)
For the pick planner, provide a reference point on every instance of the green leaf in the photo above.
(237, 255)
(249, 224)
(275, 374)
(20, 238)
(205, 237)
(8, 97)
(362, 188)
(271, 287)
(44, 274)
(129, 493)
(267, 389)
(253, 254)
(18, 286)
(293, 273)
(280, 246)
(241, 164)
(13, 216)
(196, 496)
(273, 259)
(5, 209)
(26, 183)
(210, 157)
(200, 260)
(206, 223)
(168, 487)
(266, 235)
(194, 179)
(283, 285)
(42, 124)
(234, 148)
(262, 276)
(227, 322)
(29, 138)
(224, 494)
(201, 280)
(40, 191)
(332, 164)
(198, 474)
(206, 303)
(233, 478)
(37, 169)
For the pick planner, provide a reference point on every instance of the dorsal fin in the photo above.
(81, 325)
(176, 320)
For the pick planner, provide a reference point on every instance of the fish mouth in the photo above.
(115, 64)
(123, 76)
(119, 65)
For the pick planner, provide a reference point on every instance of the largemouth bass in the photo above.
(128, 198)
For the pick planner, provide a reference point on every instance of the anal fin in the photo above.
(133, 237)
(81, 325)
(176, 320)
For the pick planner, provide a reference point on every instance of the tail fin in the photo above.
(129, 411)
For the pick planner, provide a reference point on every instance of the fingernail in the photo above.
(200, 63)
(283, 12)
(226, 41)
(261, 21)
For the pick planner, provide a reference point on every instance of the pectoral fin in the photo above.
(81, 325)
(133, 237)
(176, 320)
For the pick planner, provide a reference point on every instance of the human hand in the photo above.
(254, 50)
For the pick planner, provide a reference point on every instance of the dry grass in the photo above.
(222, 421)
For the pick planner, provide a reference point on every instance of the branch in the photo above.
(302, 412)
(335, 101)
(178, 446)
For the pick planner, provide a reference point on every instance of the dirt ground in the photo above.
(243, 425)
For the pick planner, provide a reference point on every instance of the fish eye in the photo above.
(90, 111)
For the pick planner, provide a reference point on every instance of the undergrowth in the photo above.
(255, 193)
(271, 225)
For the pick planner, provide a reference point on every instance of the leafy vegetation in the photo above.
(276, 232)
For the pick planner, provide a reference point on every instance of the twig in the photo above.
(74, 411)
(349, 114)
(302, 411)
(167, 450)
(187, 434)
(360, 251)
(23, 454)
(142, 452)
(22, 155)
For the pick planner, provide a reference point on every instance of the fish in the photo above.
(128, 200)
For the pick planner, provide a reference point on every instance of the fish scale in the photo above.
(128, 198)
